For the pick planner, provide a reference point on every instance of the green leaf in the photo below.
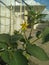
(37, 52)
(14, 45)
(32, 12)
(23, 40)
(4, 38)
(16, 37)
(18, 59)
(38, 34)
(2, 62)
(16, 32)
(45, 35)
(40, 16)
(5, 56)
(14, 58)
(20, 50)
(3, 45)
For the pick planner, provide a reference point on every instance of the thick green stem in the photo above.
(31, 30)
(25, 37)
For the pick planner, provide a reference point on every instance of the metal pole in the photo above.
(10, 19)
(5, 20)
(21, 11)
(0, 18)
(13, 14)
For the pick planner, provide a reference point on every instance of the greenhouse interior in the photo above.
(28, 20)
(12, 14)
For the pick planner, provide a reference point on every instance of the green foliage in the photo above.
(40, 16)
(5, 56)
(38, 34)
(37, 52)
(16, 37)
(9, 43)
(4, 41)
(3, 45)
(45, 35)
(4, 38)
(14, 58)
(23, 40)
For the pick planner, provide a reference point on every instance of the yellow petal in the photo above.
(24, 26)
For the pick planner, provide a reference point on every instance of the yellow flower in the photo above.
(24, 26)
